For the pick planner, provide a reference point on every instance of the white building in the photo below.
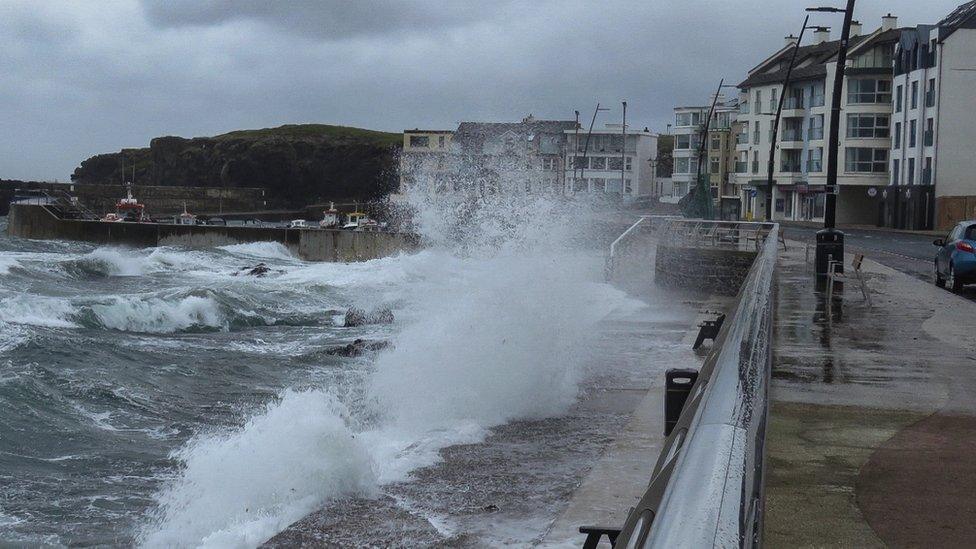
(932, 160)
(800, 163)
(719, 166)
(612, 161)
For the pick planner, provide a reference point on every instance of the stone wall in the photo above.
(31, 221)
(714, 270)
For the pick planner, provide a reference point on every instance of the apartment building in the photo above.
(934, 126)
(720, 158)
(425, 160)
(612, 161)
(799, 167)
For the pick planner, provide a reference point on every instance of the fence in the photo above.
(707, 486)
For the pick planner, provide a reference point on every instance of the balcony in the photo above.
(792, 134)
(793, 106)
(790, 167)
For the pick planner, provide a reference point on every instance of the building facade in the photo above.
(799, 163)
(425, 160)
(611, 161)
(719, 158)
(932, 164)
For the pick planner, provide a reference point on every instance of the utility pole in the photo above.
(586, 147)
(704, 190)
(830, 241)
(575, 148)
(779, 110)
(623, 150)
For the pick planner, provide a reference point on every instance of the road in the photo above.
(912, 254)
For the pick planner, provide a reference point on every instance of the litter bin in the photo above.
(830, 246)
(677, 387)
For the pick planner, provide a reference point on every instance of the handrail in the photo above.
(612, 254)
(707, 487)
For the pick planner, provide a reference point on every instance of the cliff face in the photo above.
(296, 164)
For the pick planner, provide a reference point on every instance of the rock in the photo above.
(358, 317)
(355, 317)
(297, 164)
(258, 270)
(357, 348)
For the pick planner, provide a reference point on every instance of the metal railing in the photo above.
(696, 233)
(645, 220)
(707, 486)
(61, 203)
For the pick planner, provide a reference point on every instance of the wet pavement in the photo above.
(873, 416)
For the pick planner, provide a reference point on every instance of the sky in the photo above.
(82, 78)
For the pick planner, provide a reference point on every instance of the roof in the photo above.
(476, 133)
(818, 55)
(963, 17)
(415, 130)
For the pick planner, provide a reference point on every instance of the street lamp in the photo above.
(830, 241)
(779, 111)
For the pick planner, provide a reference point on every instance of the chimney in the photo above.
(790, 40)
(855, 28)
(821, 35)
(889, 22)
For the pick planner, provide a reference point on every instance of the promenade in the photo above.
(873, 418)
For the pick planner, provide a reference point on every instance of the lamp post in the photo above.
(779, 110)
(830, 241)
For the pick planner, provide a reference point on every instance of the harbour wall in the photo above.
(715, 270)
(159, 199)
(38, 222)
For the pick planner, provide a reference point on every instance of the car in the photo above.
(955, 262)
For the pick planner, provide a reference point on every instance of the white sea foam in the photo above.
(267, 250)
(159, 315)
(7, 263)
(239, 488)
(35, 310)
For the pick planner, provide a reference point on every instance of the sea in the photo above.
(175, 397)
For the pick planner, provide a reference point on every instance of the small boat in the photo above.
(298, 224)
(128, 209)
(330, 217)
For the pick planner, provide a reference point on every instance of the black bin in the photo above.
(830, 246)
(677, 386)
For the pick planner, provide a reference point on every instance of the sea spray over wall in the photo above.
(494, 322)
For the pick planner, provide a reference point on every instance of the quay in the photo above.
(51, 222)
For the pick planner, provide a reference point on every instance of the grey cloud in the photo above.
(328, 20)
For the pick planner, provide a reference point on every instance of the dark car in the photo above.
(955, 262)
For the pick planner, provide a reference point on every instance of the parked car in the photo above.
(955, 262)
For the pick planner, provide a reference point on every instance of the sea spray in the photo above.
(495, 320)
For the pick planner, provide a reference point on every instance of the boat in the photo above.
(330, 217)
(128, 209)
(298, 224)
(186, 218)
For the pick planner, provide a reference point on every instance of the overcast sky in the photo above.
(80, 78)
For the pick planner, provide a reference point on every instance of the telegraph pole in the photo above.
(623, 151)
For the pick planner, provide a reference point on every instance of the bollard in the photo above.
(677, 386)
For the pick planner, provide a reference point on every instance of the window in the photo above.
(755, 160)
(897, 141)
(716, 143)
(912, 133)
(898, 99)
(929, 132)
(815, 160)
(927, 171)
(440, 141)
(629, 163)
(713, 166)
(910, 171)
(598, 163)
(866, 160)
(817, 99)
(861, 91)
(687, 118)
(930, 93)
(581, 163)
(419, 141)
(682, 141)
(816, 128)
(867, 125)
(550, 164)
(755, 134)
(758, 102)
(615, 163)
(681, 165)
(772, 100)
(915, 94)
(876, 57)
(894, 172)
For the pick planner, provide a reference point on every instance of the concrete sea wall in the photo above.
(37, 222)
(715, 270)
